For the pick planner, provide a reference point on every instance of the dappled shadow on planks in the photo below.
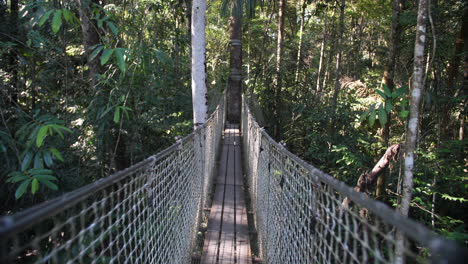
(227, 237)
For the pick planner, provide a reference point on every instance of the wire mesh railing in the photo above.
(147, 213)
(299, 219)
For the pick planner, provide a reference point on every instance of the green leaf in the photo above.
(21, 189)
(387, 91)
(95, 52)
(363, 116)
(382, 116)
(56, 153)
(38, 163)
(57, 21)
(34, 186)
(106, 56)
(49, 184)
(372, 118)
(388, 107)
(45, 178)
(113, 28)
(404, 114)
(67, 15)
(117, 115)
(381, 93)
(38, 171)
(26, 161)
(17, 178)
(48, 158)
(119, 53)
(41, 135)
(44, 17)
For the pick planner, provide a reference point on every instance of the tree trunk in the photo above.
(12, 61)
(322, 54)
(339, 50)
(235, 78)
(299, 46)
(452, 71)
(388, 79)
(279, 58)
(413, 121)
(91, 38)
(198, 62)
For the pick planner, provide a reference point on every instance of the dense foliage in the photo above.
(72, 112)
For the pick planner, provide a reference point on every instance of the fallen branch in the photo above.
(367, 180)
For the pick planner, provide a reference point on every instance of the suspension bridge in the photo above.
(187, 204)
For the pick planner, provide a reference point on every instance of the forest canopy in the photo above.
(91, 87)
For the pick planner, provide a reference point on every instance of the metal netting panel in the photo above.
(299, 219)
(148, 213)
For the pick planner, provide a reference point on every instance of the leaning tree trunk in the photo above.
(279, 58)
(198, 62)
(91, 38)
(413, 122)
(388, 79)
(339, 51)
(235, 78)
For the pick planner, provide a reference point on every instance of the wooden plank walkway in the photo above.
(227, 237)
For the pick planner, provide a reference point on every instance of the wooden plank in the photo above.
(227, 238)
(227, 250)
(211, 243)
(243, 253)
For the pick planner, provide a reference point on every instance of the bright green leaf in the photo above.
(387, 91)
(404, 114)
(34, 186)
(22, 188)
(106, 56)
(372, 118)
(57, 21)
(41, 135)
(388, 107)
(44, 17)
(56, 153)
(363, 116)
(95, 52)
(117, 115)
(119, 53)
(113, 28)
(381, 93)
(382, 116)
(67, 15)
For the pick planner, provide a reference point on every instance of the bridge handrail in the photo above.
(324, 194)
(189, 158)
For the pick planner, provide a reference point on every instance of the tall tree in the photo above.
(322, 52)
(413, 121)
(301, 33)
(388, 79)
(198, 62)
(339, 55)
(235, 78)
(279, 59)
(91, 37)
